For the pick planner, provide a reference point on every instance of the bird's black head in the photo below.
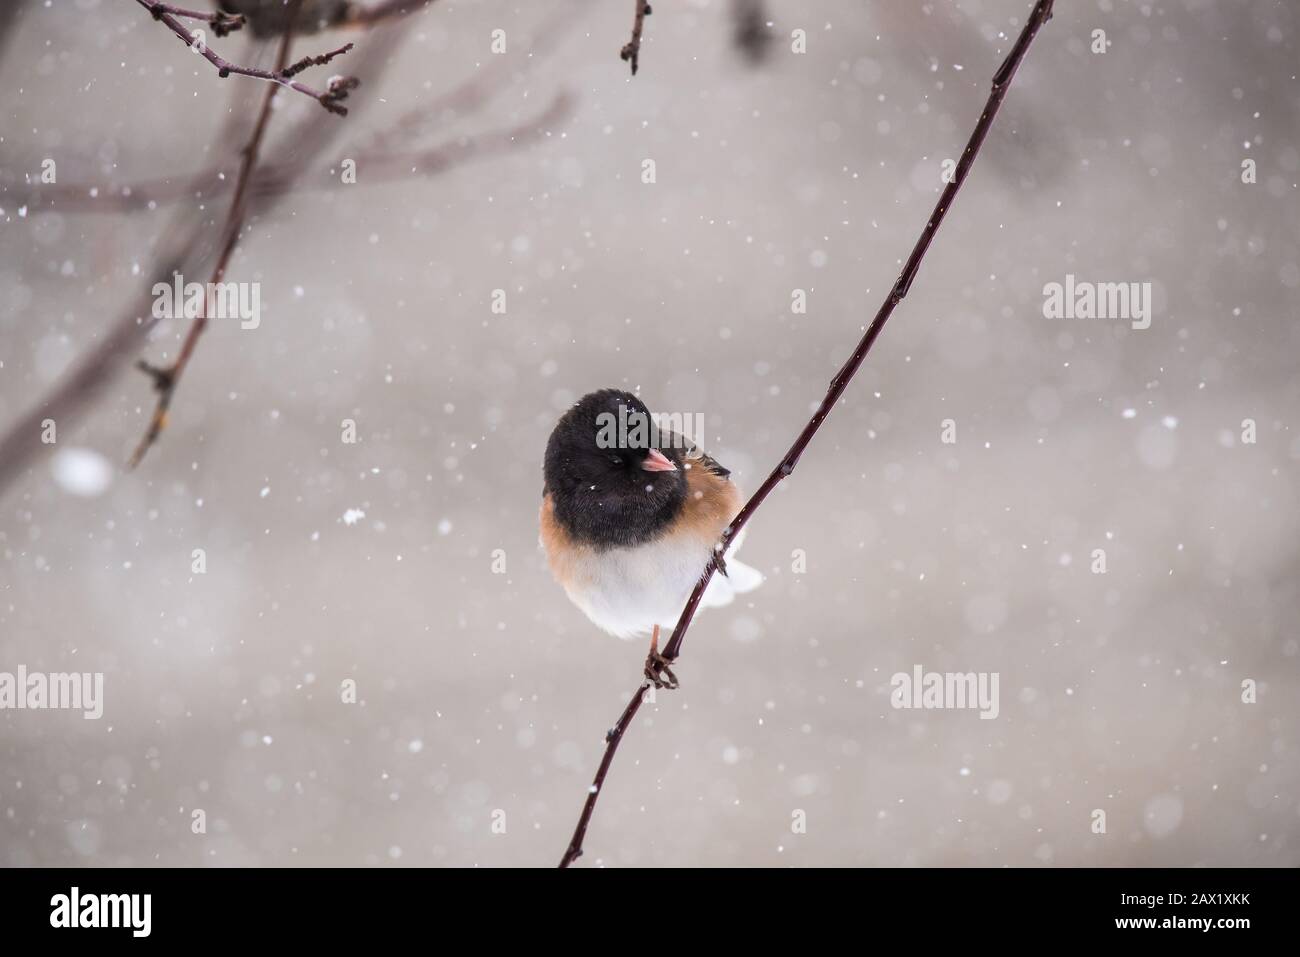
(610, 484)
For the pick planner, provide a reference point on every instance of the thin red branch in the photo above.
(331, 97)
(1040, 14)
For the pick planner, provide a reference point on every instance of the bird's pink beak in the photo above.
(656, 461)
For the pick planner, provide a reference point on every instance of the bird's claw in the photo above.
(657, 670)
(657, 666)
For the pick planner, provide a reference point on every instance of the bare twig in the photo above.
(632, 49)
(331, 97)
(1040, 14)
(294, 69)
(166, 378)
(222, 23)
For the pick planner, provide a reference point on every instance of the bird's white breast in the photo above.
(627, 591)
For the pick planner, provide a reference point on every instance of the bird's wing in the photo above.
(709, 462)
(693, 453)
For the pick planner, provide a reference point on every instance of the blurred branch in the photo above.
(474, 93)
(384, 156)
(362, 15)
(381, 168)
(749, 29)
(276, 178)
(335, 92)
(632, 49)
(1041, 13)
(8, 15)
(70, 398)
(267, 17)
(166, 378)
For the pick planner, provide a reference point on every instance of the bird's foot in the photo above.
(657, 666)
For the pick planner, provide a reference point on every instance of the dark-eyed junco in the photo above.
(630, 518)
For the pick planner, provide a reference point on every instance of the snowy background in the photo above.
(483, 692)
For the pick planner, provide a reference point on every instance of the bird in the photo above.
(631, 517)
